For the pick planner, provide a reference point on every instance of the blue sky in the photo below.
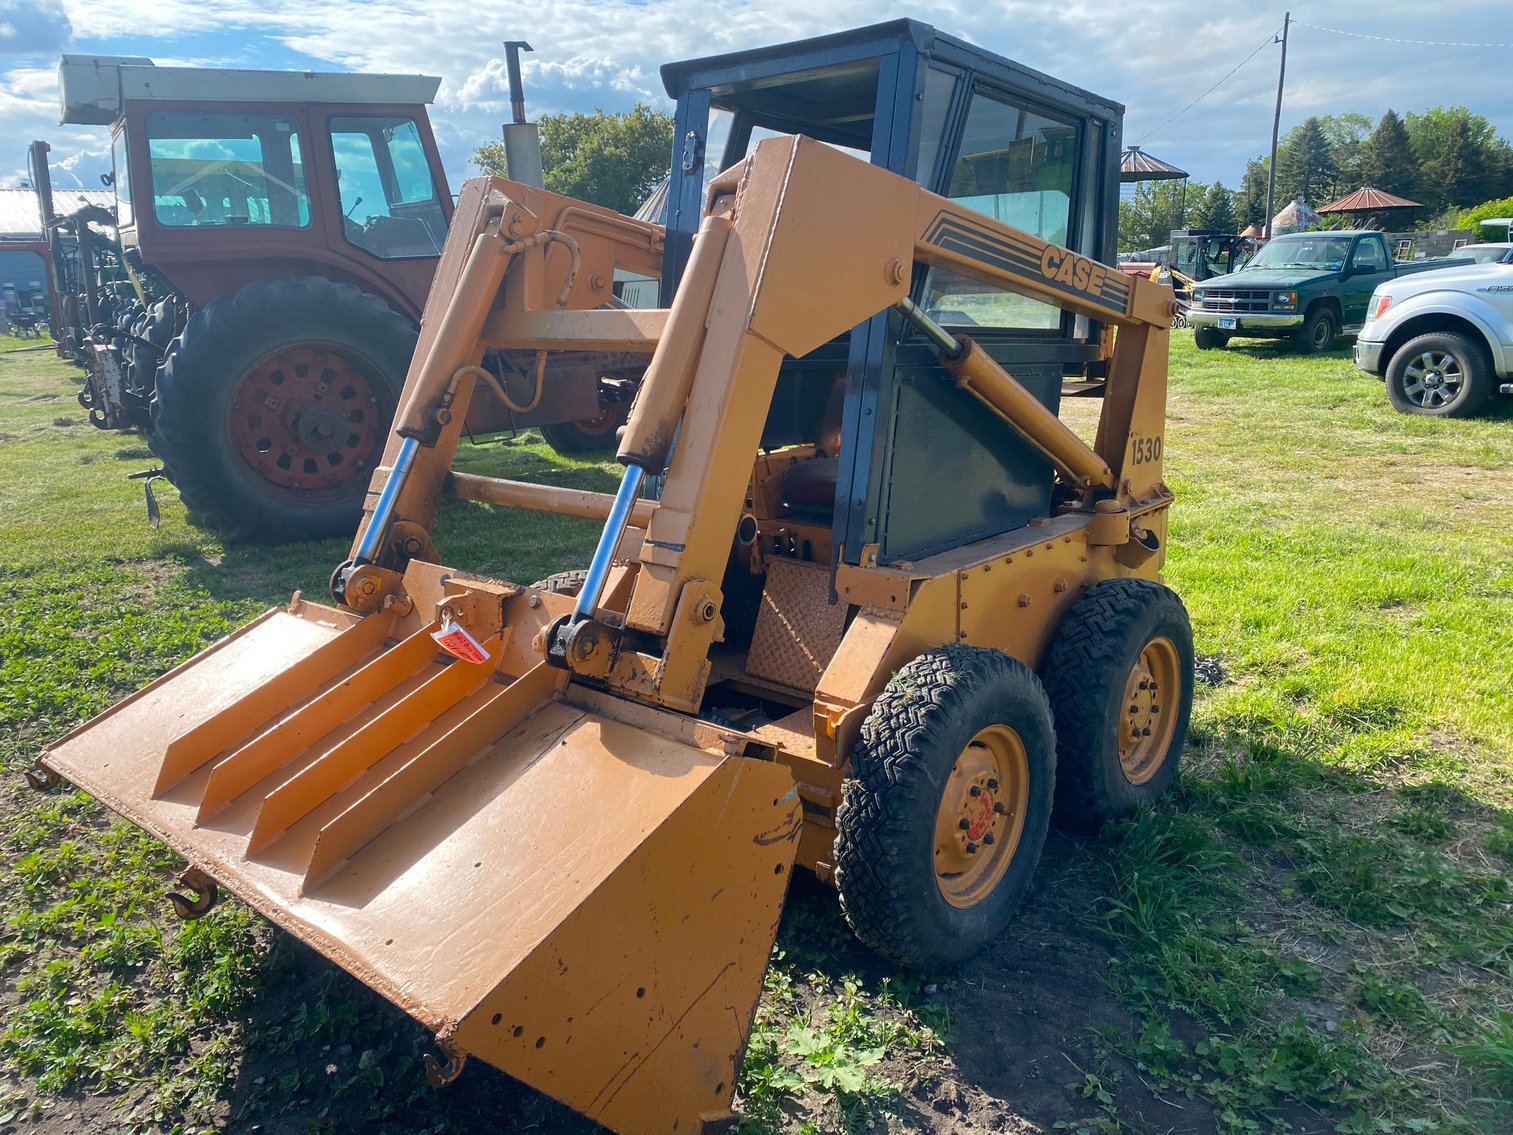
(1155, 57)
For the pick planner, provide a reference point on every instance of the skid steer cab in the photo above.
(885, 615)
(253, 304)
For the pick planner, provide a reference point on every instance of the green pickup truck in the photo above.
(1310, 288)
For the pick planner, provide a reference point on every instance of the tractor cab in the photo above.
(889, 446)
(307, 173)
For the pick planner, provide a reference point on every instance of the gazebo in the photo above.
(1135, 165)
(1369, 200)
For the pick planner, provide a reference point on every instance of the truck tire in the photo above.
(586, 435)
(1442, 375)
(946, 805)
(1119, 676)
(1318, 333)
(1209, 339)
(272, 410)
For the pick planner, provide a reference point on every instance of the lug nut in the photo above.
(992, 784)
(975, 790)
(964, 825)
(988, 839)
(1145, 732)
(1145, 685)
(999, 809)
(971, 848)
(1134, 709)
(1155, 709)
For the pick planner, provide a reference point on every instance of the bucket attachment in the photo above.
(582, 902)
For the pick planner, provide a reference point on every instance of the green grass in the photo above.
(1315, 931)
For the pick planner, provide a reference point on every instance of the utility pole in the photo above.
(1276, 123)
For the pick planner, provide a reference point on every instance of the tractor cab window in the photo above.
(120, 179)
(223, 170)
(389, 202)
(1017, 166)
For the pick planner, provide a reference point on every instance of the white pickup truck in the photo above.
(1442, 340)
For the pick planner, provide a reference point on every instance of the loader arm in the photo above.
(780, 231)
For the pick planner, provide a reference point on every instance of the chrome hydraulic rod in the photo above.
(383, 511)
(949, 345)
(609, 540)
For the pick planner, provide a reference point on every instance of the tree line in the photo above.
(1447, 158)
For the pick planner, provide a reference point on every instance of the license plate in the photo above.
(1228, 323)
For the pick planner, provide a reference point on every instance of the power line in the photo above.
(1270, 39)
(1394, 39)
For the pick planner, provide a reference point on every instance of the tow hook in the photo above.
(41, 778)
(442, 1072)
(202, 897)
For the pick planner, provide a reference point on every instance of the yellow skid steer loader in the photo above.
(883, 611)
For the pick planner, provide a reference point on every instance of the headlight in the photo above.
(1198, 294)
(1378, 308)
(1285, 300)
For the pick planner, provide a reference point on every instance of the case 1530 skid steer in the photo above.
(885, 612)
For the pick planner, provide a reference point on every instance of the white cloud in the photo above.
(1154, 57)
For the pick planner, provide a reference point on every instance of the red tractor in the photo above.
(254, 301)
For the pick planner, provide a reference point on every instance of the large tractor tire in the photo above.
(1119, 675)
(1442, 375)
(945, 809)
(272, 410)
(587, 435)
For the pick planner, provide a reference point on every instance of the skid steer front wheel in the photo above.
(272, 409)
(946, 807)
(1119, 673)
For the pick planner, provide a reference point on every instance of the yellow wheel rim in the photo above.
(981, 816)
(1148, 716)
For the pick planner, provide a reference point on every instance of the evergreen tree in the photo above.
(1216, 210)
(1387, 160)
(1250, 200)
(1305, 165)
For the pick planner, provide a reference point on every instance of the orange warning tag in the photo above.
(455, 640)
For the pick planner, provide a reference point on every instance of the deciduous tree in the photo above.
(613, 160)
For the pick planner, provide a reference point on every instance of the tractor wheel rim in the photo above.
(1433, 379)
(981, 816)
(305, 419)
(1148, 714)
(606, 421)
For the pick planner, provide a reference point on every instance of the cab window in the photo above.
(223, 170)
(389, 202)
(1017, 166)
(1370, 256)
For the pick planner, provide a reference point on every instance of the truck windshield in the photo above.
(1324, 253)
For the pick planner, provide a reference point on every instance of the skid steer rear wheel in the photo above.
(272, 409)
(946, 806)
(1119, 674)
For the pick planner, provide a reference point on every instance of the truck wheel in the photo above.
(587, 434)
(945, 808)
(1441, 374)
(1318, 332)
(1209, 339)
(1119, 675)
(273, 409)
